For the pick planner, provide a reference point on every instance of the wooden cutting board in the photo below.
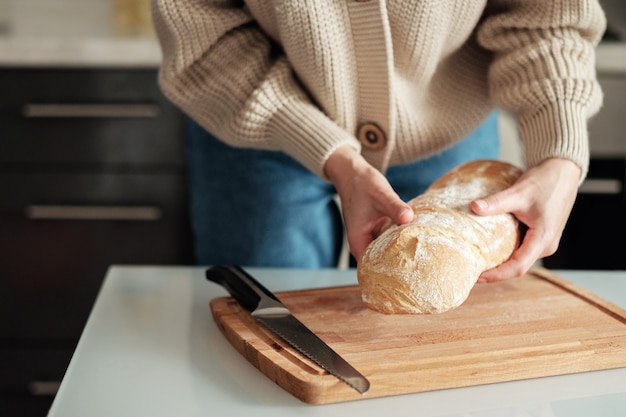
(534, 326)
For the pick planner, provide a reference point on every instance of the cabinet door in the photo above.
(92, 173)
(88, 117)
(60, 233)
(593, 236)
(30, 378)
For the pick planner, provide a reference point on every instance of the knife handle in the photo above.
(243, 287)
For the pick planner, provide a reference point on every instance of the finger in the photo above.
(397, 210)
(520, 261)
(506, 201)
(358, 244)
(404, 214)
(361, 241)
(509, 269)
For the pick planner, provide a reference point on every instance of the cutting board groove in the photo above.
(533, 326)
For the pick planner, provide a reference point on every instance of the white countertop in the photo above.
(151, 348)
(77, 33)
(90, 33)
(117, 52)
(144, 51)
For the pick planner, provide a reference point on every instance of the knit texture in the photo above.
(301, 76)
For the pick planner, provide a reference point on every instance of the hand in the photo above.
(367, 198)
(542, 199)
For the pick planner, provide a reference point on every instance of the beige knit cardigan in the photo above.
(301, 76)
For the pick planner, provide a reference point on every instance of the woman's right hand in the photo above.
(367, 198)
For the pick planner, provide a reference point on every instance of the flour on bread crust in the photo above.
(432, 264)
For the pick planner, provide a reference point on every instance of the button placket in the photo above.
(373, 57)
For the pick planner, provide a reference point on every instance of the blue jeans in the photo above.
(262, 208)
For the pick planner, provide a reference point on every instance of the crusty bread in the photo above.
(432, 264)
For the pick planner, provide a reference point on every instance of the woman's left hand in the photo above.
(542, 199)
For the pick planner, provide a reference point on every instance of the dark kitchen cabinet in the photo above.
(594, 235)
(92, 173)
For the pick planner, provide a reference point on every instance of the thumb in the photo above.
(401, 212)
(395, 213)
(498, 203)
(389, 204)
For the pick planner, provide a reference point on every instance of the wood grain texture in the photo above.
(534, 326)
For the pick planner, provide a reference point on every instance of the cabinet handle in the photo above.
(134, 213)
(35, 110)
(43, 388)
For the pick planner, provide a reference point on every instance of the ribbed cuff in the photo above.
(309, 135)
(559, 131)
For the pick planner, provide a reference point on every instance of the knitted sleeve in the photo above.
(226, 73)
(544, 72)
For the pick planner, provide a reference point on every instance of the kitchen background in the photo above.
(92, 173)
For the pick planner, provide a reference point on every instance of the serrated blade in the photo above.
(309, 344)
(267, 309)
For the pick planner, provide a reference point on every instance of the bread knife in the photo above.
(267, 309)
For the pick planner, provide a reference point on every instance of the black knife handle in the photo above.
(241, 285)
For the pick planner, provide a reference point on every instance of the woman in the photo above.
(372, 99)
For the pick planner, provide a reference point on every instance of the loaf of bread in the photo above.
(431, 264)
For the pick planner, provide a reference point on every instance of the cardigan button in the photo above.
(371, 136)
